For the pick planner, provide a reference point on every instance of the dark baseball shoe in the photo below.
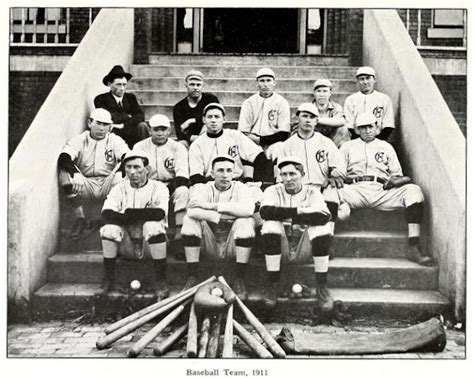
(107, 286)
(240, 289)
(415, 255)
(79, 226)
(325, 301)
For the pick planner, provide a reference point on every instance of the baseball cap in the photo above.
(213, 106)
(364, 118)
(194, 74)
(159, 120)
(101, 115)
(289, 160)
(366, 70)
(135, 154)
(265, 72)
(308, 107)
(322, 83)
(222, 158)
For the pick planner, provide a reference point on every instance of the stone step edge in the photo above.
(196, 66)
(252, 78)
(347, 295)
(180, 91)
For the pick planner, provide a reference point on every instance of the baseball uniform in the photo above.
(378, 161)
(228, 142)
(220, 229)
(295, 237)
(337, 135)
(268, 118)
(123, 198)
(169, 162)
(377, 103)
(96, 163)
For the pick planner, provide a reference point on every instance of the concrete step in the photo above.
(86, 267)
(248, 59)
(60, 300)
(295, 98)
(240, 84)
(374, 220)
(247, 71)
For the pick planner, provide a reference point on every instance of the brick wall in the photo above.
(27, 92)
(354, 39)
(143, 32)
(453, 89)
(426, 15)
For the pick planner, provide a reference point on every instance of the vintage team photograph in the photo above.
(236, 183)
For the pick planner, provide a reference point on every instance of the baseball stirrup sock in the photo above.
(272, 262)
(109, 268)
(158, 250)
(271, 244)
(160, 268)
(320, 246)
(109, 248)
(273, 276)
(415, 213)
(321, 278)
(242, 254)
(193, 269)
(333, 207)
(240, 270)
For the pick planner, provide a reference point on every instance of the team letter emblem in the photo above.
(109, 156)
(321, 156)
(378, 112)
(169, 163)
(379, 156)
(233, 151)
(271, 114)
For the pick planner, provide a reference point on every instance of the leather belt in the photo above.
(366, 178)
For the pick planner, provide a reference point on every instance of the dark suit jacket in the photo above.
(130, 115)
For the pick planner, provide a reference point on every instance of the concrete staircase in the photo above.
(368, 272)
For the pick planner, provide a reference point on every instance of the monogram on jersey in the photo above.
(321, 155)
(233, 151)
(380, 156)
(378, 111)
(271, 114)
(109, 156)
(169, 164)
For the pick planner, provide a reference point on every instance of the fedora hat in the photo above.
(116, 72)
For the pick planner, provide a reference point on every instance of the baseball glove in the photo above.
(396, 181)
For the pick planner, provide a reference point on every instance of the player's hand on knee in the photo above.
(77, 185)
(336, 182)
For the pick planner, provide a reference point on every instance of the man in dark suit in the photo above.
(128, 118)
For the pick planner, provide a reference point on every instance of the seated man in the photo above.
(168, 164)
(369, 100)
(220, 212)
(372, 172)
(135, 222)
(127, 116)
(217, 141)
(88, 165)
(331, 120)
(295, 204)
(323, 163)
(265, 118)
(187, 113)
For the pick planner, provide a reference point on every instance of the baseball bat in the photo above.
(250, 340)
(109, 339)
(157, 329)
(164, 346)
(191, 343)
(204, 340)
(227, 350)
(134, 316)
(213, 345)
(272, 345)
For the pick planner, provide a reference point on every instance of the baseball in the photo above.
(135, 284)
(217, 292)
(297, 288)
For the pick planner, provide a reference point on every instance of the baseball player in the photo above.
(135, 222)
(369, 100)
(331, 120)
(187, 113)
(297, 207)
(375, 180)
(265, 117)
(168, 164)
(88, 165)
(220, 213)
(128, 117)
(323, 163)
(217, 141)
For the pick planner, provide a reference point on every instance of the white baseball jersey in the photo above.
(237, 198)
(377, 103)
(231, 142)
(308, 197)
(318, 154)
(166, 161)
(265, 116)
(153, 194)
(95, 158)
(373, 158)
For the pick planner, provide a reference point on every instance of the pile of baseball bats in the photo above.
(201, 341)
